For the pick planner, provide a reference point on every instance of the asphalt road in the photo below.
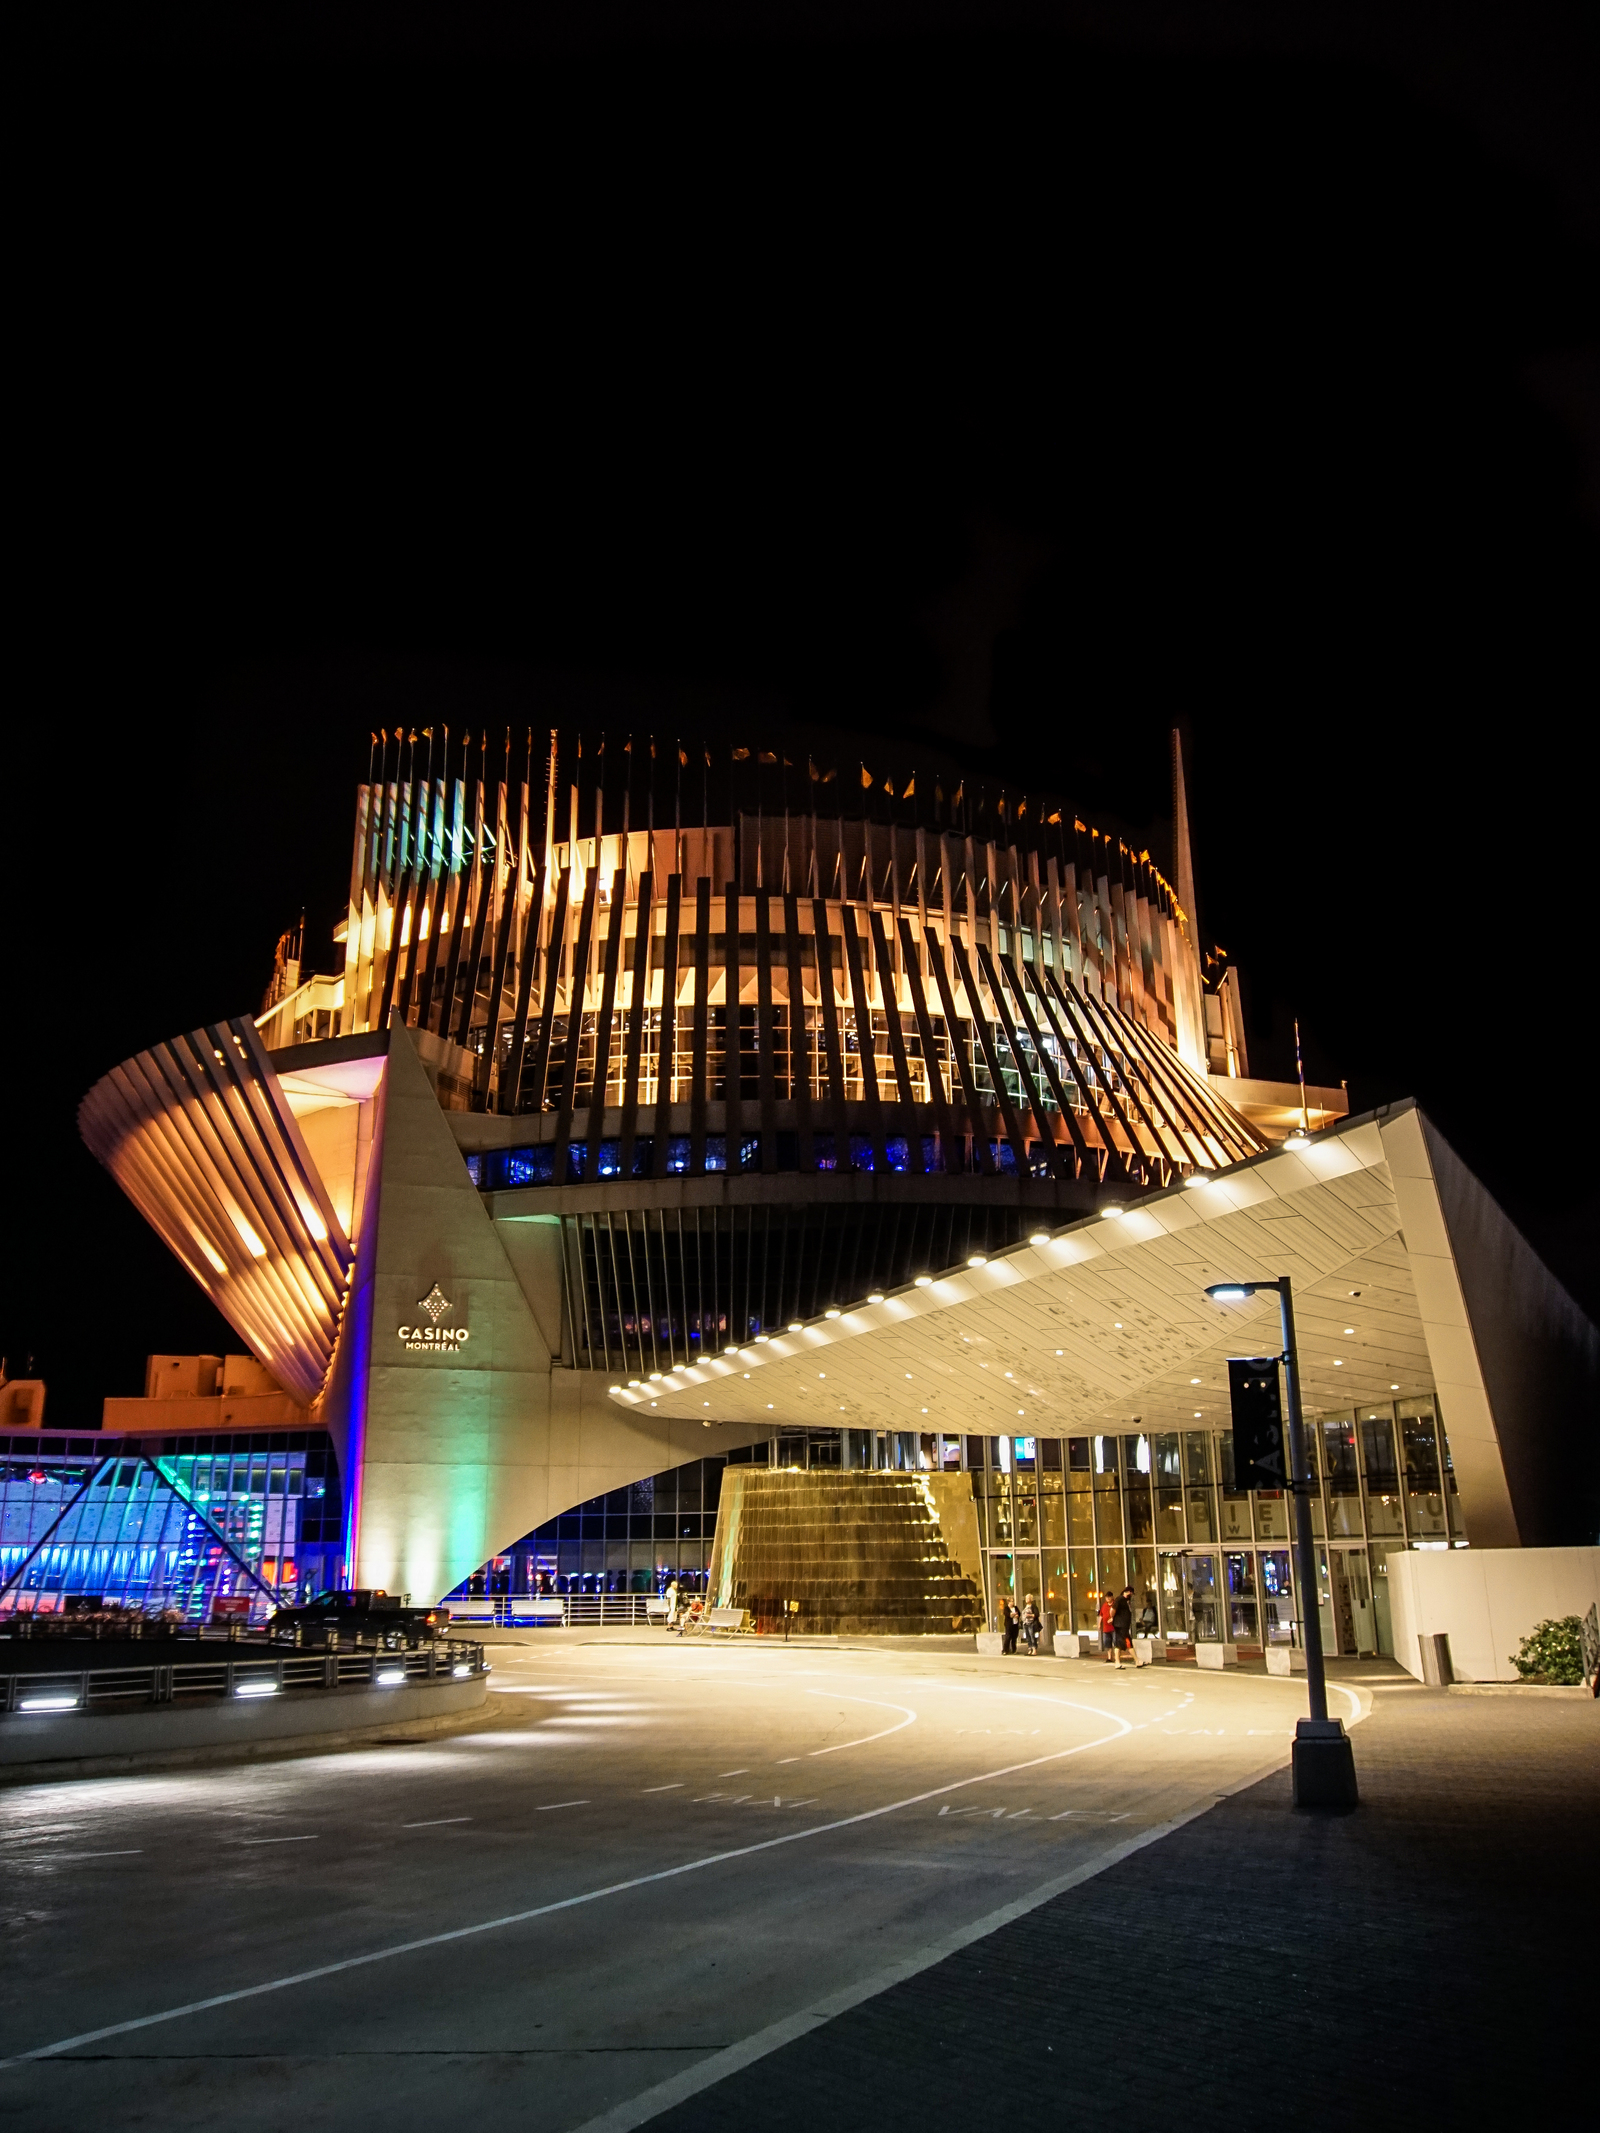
(650, 1859)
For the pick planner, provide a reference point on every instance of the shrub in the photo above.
(1553, 1652)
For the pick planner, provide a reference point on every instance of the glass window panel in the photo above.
(1052, 1519)
(1235, 1518)
(1425, 1512)
(1169, 1517)
(1197, 1456)
(1272, 1515)
(1385, 1508)
(1140, 1510)
(1080, 1519)
(1082, 1573)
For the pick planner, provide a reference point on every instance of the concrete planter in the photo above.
(989, 1642)
(1148, 1651)
(1285, 1659)
(1216, 1655)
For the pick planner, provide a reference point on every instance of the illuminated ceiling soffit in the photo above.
(1109, 1321)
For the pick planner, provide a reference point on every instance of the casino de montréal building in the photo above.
(866, 1139)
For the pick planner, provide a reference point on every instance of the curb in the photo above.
(398, 1731)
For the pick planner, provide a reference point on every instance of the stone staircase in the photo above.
(865, 1554)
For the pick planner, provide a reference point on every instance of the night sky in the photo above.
(1006, 393)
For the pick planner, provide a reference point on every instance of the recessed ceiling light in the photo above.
(1113, 1213)
(633, 1385)
(1199, 1411)
(1194, 1381)
(1061, 1351)
(832, 1311)
(1349, 1329)
(1197, 1177)
(1040, 1236)
(876, 1297)
(655, 1377)
(978, 1259)
(795, 1326)
(762, 1338)
(1338, 1362)
(1297, 1141)
(1394, 1388)
(616, 1388)
(1116, 1325)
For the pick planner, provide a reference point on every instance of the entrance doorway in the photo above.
(1354, 1616)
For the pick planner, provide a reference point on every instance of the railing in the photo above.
(242, 1675)
(558, 1610)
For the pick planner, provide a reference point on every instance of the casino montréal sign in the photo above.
(434, 1339)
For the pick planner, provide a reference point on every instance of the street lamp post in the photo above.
(1324, 1766)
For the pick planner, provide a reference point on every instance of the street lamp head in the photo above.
(1297, 1141)
(1231, 1292)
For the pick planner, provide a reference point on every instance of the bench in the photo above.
(732, 1621)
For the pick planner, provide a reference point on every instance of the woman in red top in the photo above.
(1108, 1632)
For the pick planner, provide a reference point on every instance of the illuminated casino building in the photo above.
(724, 1109)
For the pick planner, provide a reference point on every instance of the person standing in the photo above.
(1108, 1634)
(1030, 1626)
(1122, 1626)
(1011, 1622)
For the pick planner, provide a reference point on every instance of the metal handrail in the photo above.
(241, 1674)
(585, 1610)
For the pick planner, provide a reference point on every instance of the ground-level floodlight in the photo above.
(1324, 1764)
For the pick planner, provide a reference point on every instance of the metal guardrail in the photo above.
(568, 1610)
(242, 1675)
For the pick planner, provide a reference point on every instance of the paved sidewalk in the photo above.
(1432, 1953)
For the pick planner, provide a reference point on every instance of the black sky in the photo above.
(1006, 390)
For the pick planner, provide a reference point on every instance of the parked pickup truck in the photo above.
(352, 1619)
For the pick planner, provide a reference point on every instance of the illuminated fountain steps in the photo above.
(862, 1553)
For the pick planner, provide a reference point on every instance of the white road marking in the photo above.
(615, 1888)
(554, 1806)
(252, 1841)
(733, 1773)
(440, 1824)
(50, 1858)
(838, 1748)
(678, 1787)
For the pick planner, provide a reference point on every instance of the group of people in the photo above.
(1117, 1626)
(1023, 1622)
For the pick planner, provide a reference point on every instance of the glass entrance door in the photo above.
(1277, 1597)
(1242, 1619)
(1204, 1598)
(1352, 1602)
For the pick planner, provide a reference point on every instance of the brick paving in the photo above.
(1431, 1954)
